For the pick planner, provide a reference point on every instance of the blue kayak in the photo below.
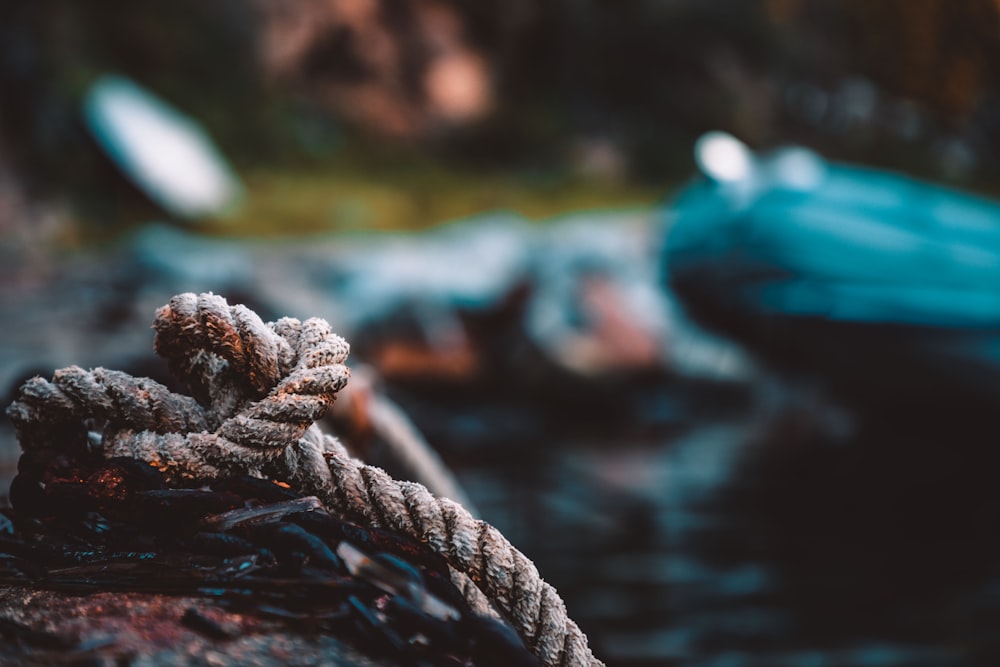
(868, 277)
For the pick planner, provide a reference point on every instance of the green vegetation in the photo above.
(337, 197)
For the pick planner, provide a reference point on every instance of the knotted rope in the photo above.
(258, 389)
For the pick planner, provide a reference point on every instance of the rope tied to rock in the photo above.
(257, 390)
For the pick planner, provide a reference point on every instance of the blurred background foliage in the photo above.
(402, 113)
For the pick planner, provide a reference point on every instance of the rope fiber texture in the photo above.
(257, 390)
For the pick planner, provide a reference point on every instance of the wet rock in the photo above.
(50, 627)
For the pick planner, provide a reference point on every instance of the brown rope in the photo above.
(258, 389)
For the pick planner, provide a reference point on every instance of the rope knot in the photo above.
(257, 390)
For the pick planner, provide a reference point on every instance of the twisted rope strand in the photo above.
(506, 576)
(259, 389)
(75, 394)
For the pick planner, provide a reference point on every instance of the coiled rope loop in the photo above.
(257, 390)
